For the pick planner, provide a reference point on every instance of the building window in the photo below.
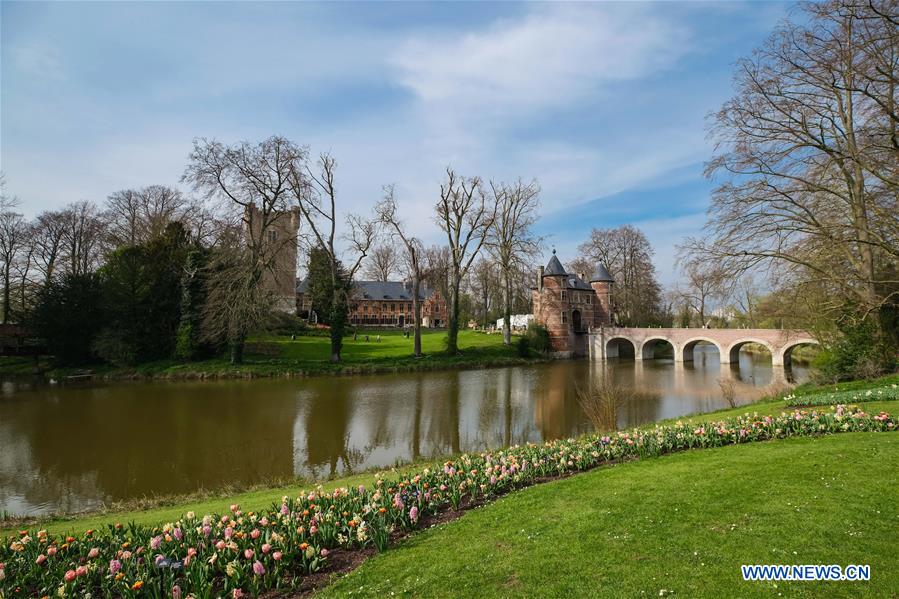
(564, 295)
(564, 317)
(272, 235)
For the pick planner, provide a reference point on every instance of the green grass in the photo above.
(681, 525)
(269, 356)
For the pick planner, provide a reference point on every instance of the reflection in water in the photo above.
(74, 448)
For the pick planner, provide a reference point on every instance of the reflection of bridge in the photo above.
(607, 342)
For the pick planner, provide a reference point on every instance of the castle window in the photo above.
(272, 235)
(564, 295)
(564, 317)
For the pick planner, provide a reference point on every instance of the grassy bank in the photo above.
(161, 510)
(280, 356)
(678, 525)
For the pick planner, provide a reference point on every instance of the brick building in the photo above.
(569, 307)
(384, 304)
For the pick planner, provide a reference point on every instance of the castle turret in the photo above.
(601, 282)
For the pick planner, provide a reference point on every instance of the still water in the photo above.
(72, 448)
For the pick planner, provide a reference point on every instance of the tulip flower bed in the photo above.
(844, 397)
(238, 554)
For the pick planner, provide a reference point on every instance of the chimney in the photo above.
(540, 279)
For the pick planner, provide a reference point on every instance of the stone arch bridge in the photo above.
(607, 342)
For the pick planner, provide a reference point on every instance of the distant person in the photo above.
(379, 337)
(366, 338)
(355, 335)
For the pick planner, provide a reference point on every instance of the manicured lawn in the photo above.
(392, 345)
(281, 355)
(680, 524)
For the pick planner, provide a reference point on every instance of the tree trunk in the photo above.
(416, 315)
(452, 334)
(507, 308)
(237, 352)
(6, 293)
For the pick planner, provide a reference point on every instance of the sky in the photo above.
(605, 104)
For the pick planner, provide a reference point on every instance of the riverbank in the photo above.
(158, 510)
(295, 539)
(281, 356)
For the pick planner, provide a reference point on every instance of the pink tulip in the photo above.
(266, 548)
(192, 552)
(258, 568)
(324, 552)
(93, 553)
(220, 545)
(40, 559)
(69, 575)
(176, 592)
(237, 594)
(234, 508)
(229, 532)
(51, 551)
(81, 571)
(276, 556)
(249, 553)
(126, 554)
(255, 534)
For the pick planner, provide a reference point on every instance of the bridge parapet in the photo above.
(603, 342)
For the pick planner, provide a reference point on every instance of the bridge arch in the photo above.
(787, 349)
(733, 352)
(618, 345)
(649, 346)
(690, 344)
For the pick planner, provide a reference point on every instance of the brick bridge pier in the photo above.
(605, 342)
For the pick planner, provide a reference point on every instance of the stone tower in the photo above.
(279, 244)
(601, 282)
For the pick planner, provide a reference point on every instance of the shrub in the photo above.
(859, 352)
(538, 338)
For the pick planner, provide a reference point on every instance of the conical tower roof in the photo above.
(554, 267)
(601, 275)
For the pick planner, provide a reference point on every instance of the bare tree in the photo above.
(48, 231)
(627, 254)
(13, 238)
(703, 283)
(483, 282)
(512, 240)
(413, 257)
(137, 215)
(807, 154)
(253, 182)
(465, 215)
(318, 205)
(382, 263)
(82, 243)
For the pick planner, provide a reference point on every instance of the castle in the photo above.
(569, 307)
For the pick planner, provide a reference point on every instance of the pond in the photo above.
(76, 447)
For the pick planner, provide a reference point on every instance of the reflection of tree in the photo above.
(327, 433)
(123, 441)
(416, 419)
(443, 430)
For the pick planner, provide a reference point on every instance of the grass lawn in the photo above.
(280, 355)
(680, 524)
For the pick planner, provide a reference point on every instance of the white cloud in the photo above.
(39, 61)
(553, 56)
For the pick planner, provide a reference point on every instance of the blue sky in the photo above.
(604, 103)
